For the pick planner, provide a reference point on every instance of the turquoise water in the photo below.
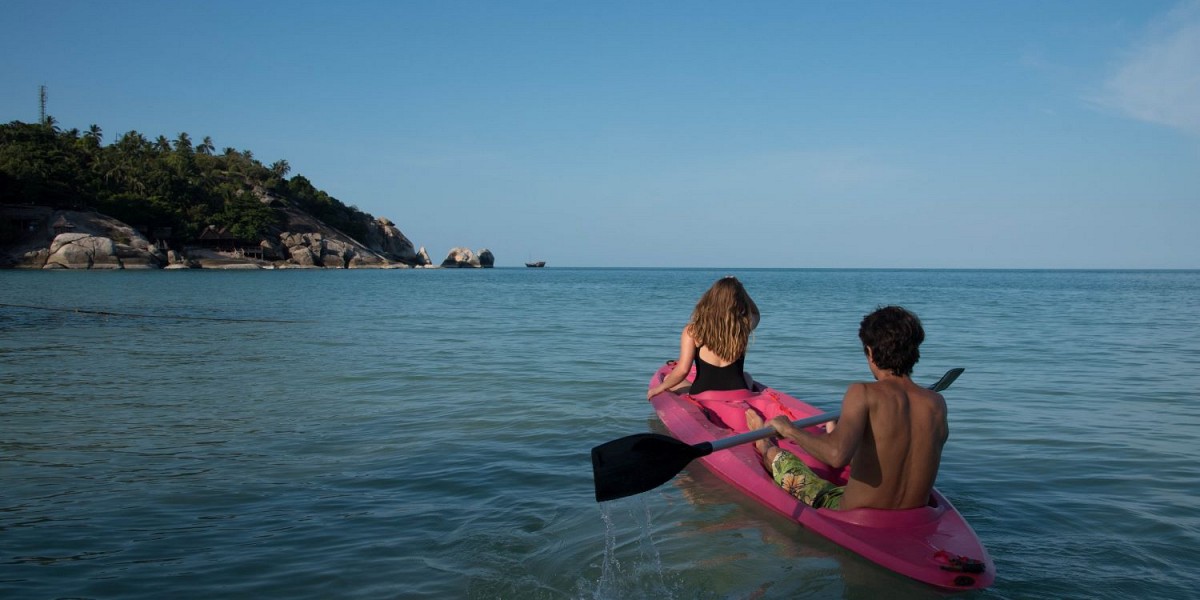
(426, 433)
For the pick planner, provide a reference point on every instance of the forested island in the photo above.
(177, 203)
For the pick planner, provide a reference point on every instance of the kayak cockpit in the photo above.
(880, 518)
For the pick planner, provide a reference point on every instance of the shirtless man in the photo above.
(891, 431)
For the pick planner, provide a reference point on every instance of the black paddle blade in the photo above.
(947, 379)
(641, 462)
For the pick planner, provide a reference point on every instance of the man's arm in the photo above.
(835, 449)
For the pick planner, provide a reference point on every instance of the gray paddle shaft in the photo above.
(766, 432)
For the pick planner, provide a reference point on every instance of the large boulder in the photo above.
(317, 249)
(302, 256)
(271, 250)
(386, 239)
(132, 249)
(66, 239)
(335, 254)
(423, 258)
(461, 257)
(486, 260)
(304, 249)
(82, 251)
(177, 260)
(360, 260)
(134, 256)
(33, 259)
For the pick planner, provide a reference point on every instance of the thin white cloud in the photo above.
(1159, 79)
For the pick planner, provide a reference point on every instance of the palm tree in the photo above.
(281, 168)
(183, 143)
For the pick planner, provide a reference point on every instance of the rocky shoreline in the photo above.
(47, 238)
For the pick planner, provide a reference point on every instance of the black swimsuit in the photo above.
(711, 377)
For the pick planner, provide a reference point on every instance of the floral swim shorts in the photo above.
(797, 479)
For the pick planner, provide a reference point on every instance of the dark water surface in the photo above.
(425, 433)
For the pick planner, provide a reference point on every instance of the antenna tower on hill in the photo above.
(42, 104)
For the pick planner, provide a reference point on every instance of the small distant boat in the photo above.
(540, 263)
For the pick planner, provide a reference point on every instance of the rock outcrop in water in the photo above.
(423, 258)
(460, 257)
(79, 240)
(45, 238)
(67, 201)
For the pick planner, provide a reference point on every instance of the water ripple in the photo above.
(428, 435)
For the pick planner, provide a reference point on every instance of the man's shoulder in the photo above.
(900, 390)
(859, 389)
(875, 387)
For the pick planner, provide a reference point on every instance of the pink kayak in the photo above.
(932, 544)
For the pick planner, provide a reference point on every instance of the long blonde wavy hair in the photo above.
(723, 319)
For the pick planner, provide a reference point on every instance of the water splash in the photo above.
(610, 567)
(642, 574)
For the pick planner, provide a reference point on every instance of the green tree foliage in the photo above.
(160, 183)
(245, 216)
(348, 219)
(38, 161)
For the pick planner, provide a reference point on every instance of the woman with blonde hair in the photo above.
(715, 339)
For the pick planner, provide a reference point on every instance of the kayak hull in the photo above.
(932, 544)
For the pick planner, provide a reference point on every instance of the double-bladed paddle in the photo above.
(641, 462)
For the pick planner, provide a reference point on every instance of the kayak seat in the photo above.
(874, 517)
(725, 408)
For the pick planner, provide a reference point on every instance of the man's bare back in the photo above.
(891, 431)
(901, 446)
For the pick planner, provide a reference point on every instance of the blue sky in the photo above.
(684, 134)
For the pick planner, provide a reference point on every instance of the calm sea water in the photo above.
(426, 433)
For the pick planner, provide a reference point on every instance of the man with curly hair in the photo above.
(891, 431)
